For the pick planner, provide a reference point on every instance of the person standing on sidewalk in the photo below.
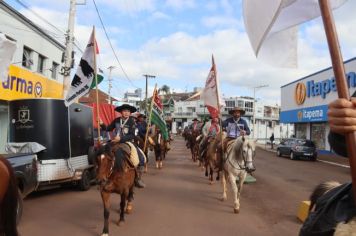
(272, 140)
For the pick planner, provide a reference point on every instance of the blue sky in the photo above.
(174, 40)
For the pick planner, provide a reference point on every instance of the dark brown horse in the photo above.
(160, 149)
(213, 158)
(8, 199)
(194, 144)
(115, 174)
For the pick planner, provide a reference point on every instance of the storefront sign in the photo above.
(22, 83)
(311, 114)
(321, 88)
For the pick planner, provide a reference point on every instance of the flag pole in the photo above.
(340, 78)
(96, 86)
(149, 119)
(218, 103)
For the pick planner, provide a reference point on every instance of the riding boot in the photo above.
(138, 178)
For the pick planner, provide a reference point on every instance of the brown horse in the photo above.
(194, 144)
(160, 149)
(115, 175)
(8, 199)
(213, 158)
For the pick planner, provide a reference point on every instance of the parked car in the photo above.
(296, 148)
(25, 168)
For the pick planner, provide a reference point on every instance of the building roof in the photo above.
(6, 7)
(103, 97)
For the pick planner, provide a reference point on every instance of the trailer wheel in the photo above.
(19, 207)
(84, 183)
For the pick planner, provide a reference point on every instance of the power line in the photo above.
(112, 48)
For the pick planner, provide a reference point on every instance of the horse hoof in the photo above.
(104, 235)
(120, 223)
(211, 182)
(128, 209)
(236, 211)
(223, 199)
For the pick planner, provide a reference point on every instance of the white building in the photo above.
(134, 99)
(266, 116)
(35, 69)
(305, 103)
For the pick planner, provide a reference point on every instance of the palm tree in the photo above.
(165, 89)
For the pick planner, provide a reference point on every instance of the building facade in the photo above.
(307, 109)
(36, 65)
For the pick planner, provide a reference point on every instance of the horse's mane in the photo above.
(114, 150)
(8, 205)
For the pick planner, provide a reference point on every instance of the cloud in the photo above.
(157, 15)
(130, 7)
(218, 21)
(181, 4)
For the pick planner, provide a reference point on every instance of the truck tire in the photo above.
(84, 182)
(19, 208)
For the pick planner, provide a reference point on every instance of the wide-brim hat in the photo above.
(125, 107)
(141, 115)
(242, 111)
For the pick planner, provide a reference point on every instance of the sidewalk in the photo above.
(326, 158)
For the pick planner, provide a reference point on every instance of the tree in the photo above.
(165, 89)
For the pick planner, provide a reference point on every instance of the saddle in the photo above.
(333, 207)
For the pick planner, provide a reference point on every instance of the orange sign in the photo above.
(300, 93)
(22, 83)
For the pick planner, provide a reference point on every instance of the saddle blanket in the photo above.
(134, 158)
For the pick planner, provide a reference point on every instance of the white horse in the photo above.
(239, 162)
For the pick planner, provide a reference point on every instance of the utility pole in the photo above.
(254, 107)
(110, 86)
(147, 76)
(68, 54)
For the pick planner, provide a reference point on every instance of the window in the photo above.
(54, 70)
(27, 58)
(240, 104)
(41, 63)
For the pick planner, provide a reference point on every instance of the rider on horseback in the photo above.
(235, 126)
(210, 130)
(124, 127)
(141, 126)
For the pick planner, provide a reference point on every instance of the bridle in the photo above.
(244, 157)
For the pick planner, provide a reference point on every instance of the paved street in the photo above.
(180, 201)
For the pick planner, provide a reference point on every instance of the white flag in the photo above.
(272, 28)
(7, 51)
(210, 93)
(83, 78)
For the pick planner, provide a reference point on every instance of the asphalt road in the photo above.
(179, 201)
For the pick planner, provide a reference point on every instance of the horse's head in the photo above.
(248, 153)
(105, 161)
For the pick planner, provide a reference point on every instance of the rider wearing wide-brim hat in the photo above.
(124, 128)
(235, 126)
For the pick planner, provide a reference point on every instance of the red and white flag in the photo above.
(211, 92)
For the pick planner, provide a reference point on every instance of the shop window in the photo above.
(41, 63)
(318, 135)
(54, 70)
(27, 57)
(301, 130)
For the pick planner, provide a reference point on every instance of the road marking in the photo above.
(335, 164)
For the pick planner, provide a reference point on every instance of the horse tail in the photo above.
(9, 204)
(320, 190)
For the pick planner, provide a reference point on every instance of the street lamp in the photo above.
(254, 106)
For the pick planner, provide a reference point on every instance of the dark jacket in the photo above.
(338, 142)
(142, 128)
(127, 131)
(242, 124)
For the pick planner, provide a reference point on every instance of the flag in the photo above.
(84, 76)
(157, 115)
(210, 93)
(100, 72)
(272, 28)
(7, 51)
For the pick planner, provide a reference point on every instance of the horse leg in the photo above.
(218, 176)
(105, 196)
(122, 209)
(211, 175)
(223, 182)
(129, 206)
(234, 188)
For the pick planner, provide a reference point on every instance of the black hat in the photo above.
(141, 115)
(125, 107)
(242, 111)
(195, 119)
